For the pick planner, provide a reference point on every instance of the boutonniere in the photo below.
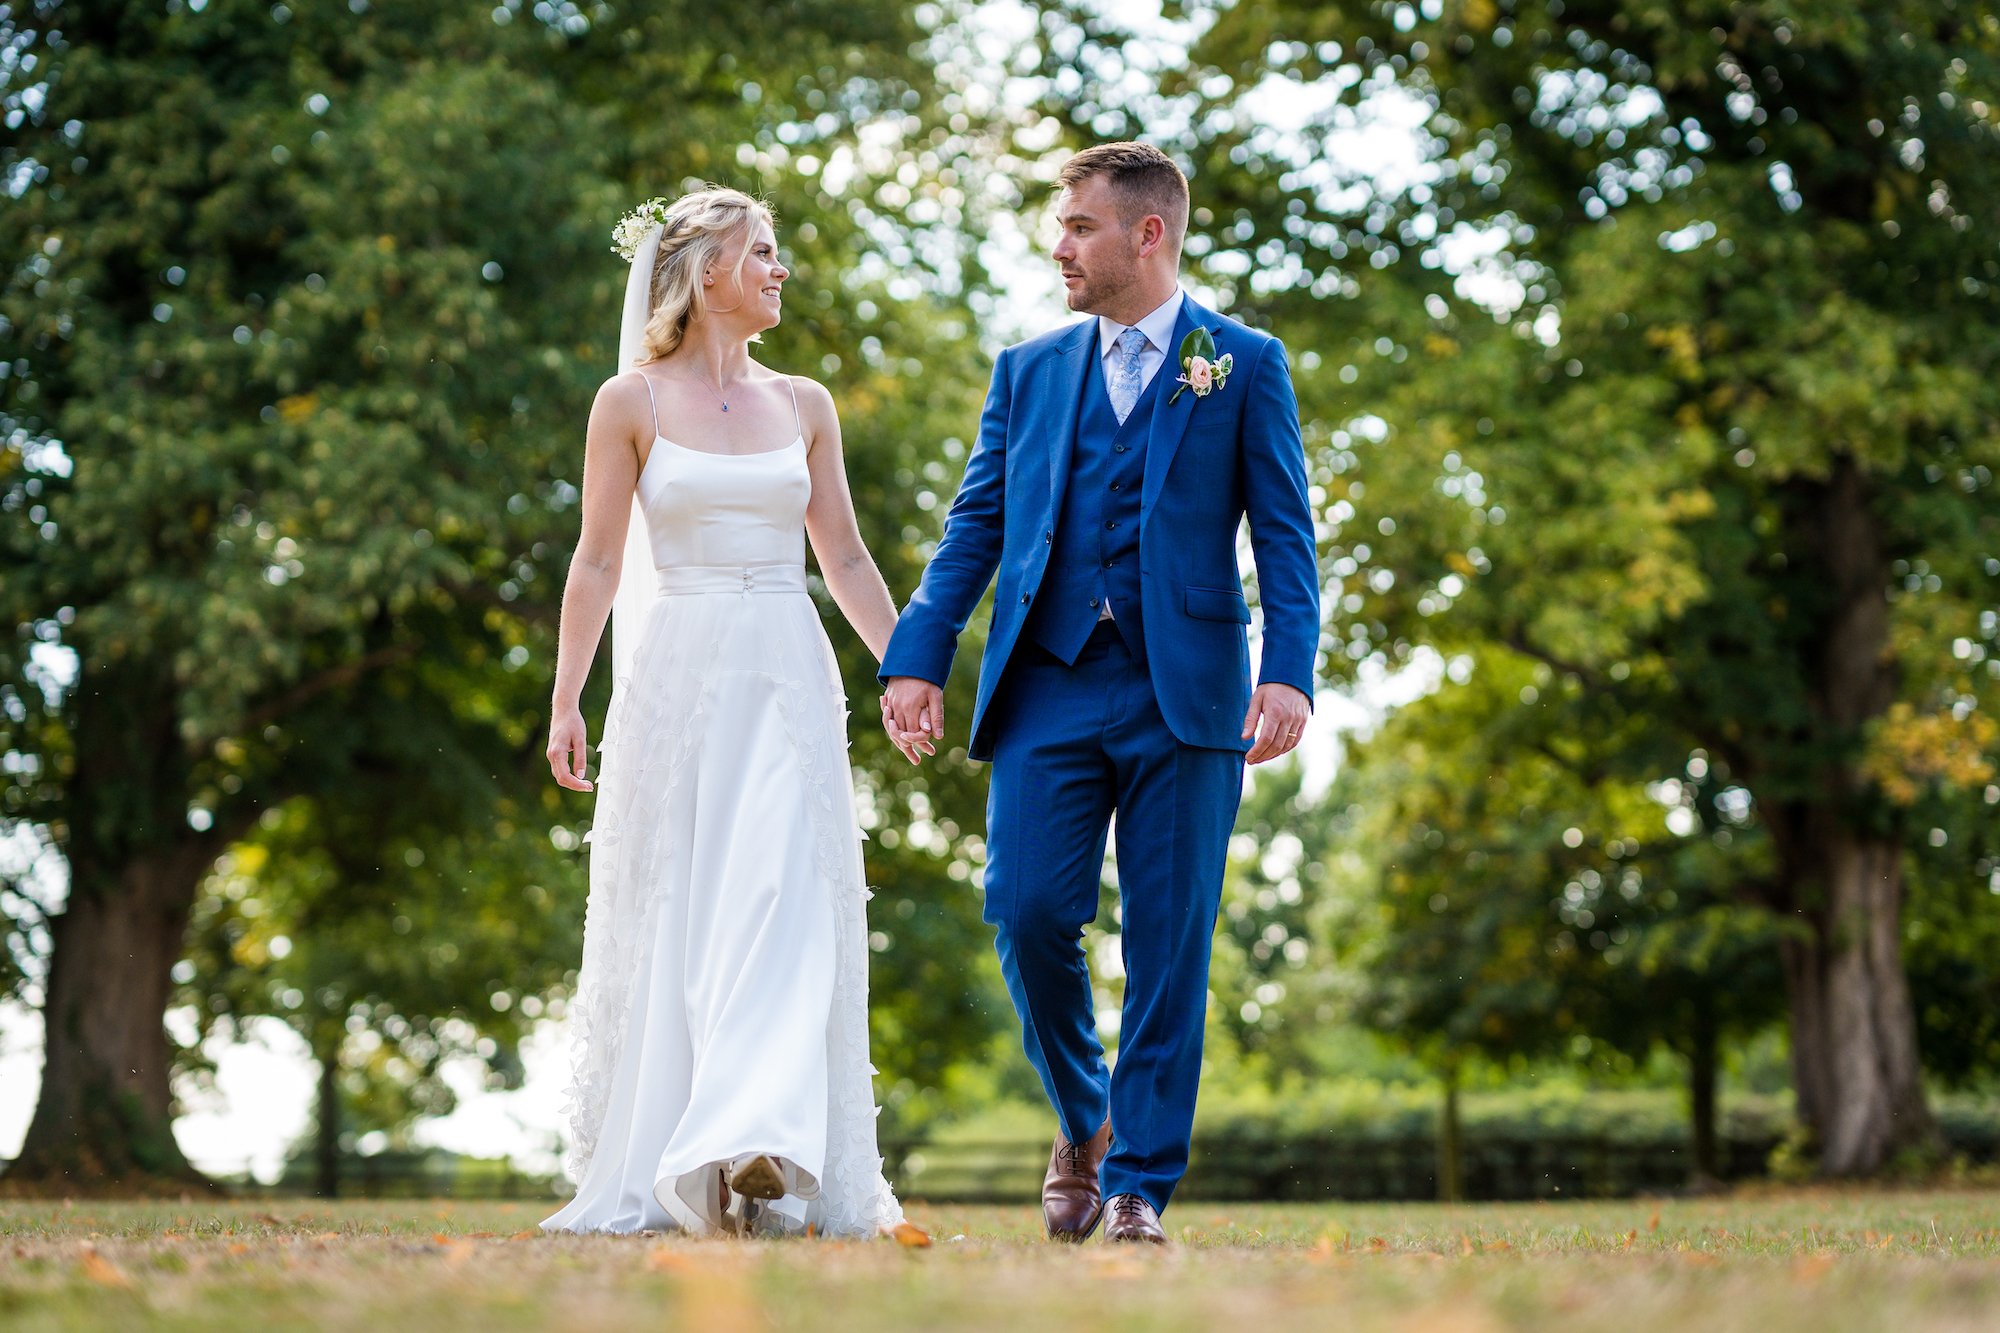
(1201, 369)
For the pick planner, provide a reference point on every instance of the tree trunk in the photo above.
(105, 1114)
(1854, 1033)
(327, 1132)
(1702, 1061)
(104, 1120)
(1451, 1144)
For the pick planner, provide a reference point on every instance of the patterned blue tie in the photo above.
(1125, 373)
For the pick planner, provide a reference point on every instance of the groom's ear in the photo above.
(1152, 235)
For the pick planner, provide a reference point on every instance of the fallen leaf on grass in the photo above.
(270, 1220)
(532, 1233)
(663, 1260)
(1118, 1269)
(911, 1236)
(101, 1270)
(1812, 1268)
(239, 1248)
(1653, 1222)
(1377, 1244)
(1631, 1237)
(1465, 1245)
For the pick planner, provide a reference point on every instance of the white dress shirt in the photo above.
(1159, 330)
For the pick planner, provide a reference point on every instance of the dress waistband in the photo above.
(684, 580)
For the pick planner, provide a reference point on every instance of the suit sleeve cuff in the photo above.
(934, 667)
(1301, 681)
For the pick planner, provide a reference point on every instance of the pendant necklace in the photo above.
(715, 392)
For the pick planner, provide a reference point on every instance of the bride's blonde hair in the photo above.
(693, 234)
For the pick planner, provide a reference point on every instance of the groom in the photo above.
(1117, 678)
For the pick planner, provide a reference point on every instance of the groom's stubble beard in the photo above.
(1105, 284)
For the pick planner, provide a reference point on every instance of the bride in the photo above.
(721, 1076)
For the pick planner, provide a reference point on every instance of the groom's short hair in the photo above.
(1143, 180)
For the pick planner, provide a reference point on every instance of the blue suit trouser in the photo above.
(1074, 745)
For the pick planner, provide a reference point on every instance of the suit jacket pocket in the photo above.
(1217, 604)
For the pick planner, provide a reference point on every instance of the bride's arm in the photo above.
(844, 562)
(610, 470)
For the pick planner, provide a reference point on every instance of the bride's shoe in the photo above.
(757, 1176)
(733, 1211)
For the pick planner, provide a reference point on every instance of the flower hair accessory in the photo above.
(632, 228)
(1201, 369)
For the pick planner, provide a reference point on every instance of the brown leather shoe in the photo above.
(1071, 1204)
(1132, 1218)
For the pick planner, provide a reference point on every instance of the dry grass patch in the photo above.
(1823, 1261)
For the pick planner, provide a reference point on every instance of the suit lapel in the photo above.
(1170, 422)
(1063, 376)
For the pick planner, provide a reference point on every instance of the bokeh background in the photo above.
(1645, 832)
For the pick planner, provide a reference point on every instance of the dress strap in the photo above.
(654, 403)
(798, 422)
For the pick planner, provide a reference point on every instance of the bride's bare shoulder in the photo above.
(812, 394)
(627, 386)
(626, 396)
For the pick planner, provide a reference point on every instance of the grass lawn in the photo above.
(1818, 1260)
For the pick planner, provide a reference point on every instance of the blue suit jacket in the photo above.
(1209, 462)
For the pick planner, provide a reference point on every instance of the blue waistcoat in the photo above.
(1096, 547)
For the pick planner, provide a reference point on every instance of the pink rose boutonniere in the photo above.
(1201, 369)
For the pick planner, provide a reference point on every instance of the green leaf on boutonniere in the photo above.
(1198, 343)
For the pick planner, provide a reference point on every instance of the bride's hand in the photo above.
(569, 755)
(913, 715)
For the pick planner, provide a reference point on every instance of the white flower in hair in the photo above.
(632, 228)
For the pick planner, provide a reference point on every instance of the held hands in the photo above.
(568, 749)
(913, 715)
(1277, 718)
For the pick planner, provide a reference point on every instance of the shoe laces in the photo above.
(1071, 1157)
(1128, 1205)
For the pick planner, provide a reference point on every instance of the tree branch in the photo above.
(333, 678)
(1517, 641)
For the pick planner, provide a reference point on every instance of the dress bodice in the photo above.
(725, 510)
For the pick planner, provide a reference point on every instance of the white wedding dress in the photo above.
(723, 1007)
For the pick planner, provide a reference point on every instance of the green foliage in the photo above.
(389, 950)
(308, 308)
(1511, 892)
(1659, 396)
(1272, 996)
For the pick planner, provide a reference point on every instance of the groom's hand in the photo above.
(913, 715)
(1277, 718)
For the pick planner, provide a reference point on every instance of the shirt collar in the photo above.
(1158, 326)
